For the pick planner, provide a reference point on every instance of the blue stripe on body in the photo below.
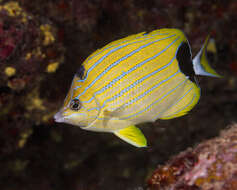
(143, 110)
(184, 106)
(128, 72)
(150, 90)
(111, 51)
(116, 62)
(143, 36)
(176, 102)
(134, 84)
(77, 87)
(98, 108)
(133, 115)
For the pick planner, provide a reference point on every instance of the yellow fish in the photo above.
(140, 78)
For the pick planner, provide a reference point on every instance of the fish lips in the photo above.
(58, 117)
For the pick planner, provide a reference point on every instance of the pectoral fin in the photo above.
(132, 135)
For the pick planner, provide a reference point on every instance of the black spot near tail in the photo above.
(184, 58)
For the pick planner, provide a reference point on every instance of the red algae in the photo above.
(213, 165)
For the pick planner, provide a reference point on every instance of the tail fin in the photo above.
(200, 63)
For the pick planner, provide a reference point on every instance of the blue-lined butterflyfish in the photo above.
(137, 79)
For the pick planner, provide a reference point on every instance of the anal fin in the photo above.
(132, 135)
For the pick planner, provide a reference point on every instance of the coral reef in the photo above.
(42, 44)
(210, 165)
(29, 49)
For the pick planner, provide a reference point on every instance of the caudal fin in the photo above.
(200, 63)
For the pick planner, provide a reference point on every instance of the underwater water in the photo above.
(43, 43)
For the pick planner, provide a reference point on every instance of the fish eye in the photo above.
(75, 105)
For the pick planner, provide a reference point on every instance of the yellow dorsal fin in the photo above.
(132, 135)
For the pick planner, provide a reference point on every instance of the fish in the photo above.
(140, 78)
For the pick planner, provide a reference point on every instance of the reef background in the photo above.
(42, 43)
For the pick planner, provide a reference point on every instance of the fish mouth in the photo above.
(59, 118)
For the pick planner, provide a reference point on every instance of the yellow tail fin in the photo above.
(200, 62)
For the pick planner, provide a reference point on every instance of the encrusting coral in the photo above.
(210, 165)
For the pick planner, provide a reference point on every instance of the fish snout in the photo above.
(58, 117)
